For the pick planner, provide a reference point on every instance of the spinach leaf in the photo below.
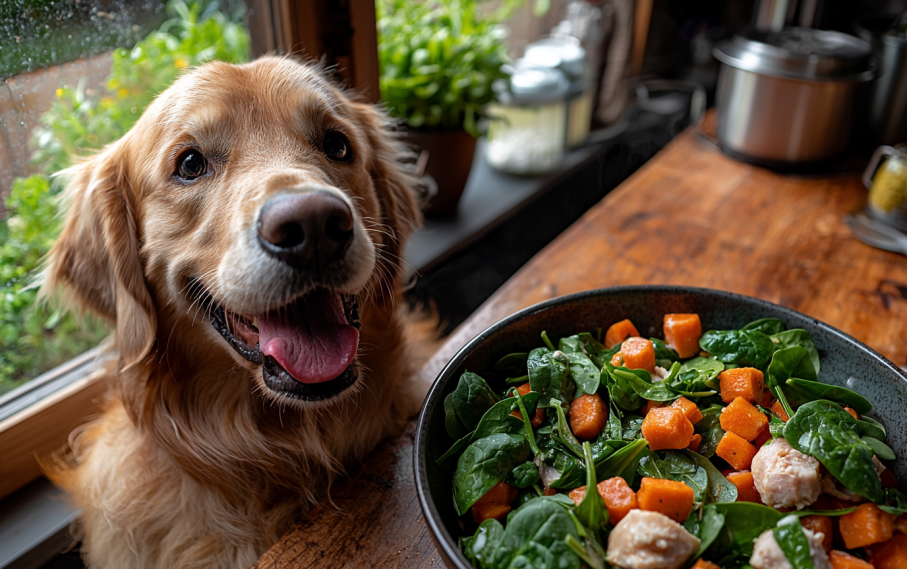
(620, 391)
(497, 420)
(823, 430)
(876, 424)
(800, 391)
(790, 362)
(585, 374)
(640, 382)
(591, 511)
(709, 428)
(452, 424)
(624, 462)
(512, 363)
(485, 543)
(524, 475)
(664, 355)
(614, 427)
(745, 521)
(895, 502)
(527, 423)
(549, 377)
(742, 347)
(867, 429)
(706, 526)
(567, 471)
(707, 370)
(800, 338)
(563, 429)
(580, 343)
(631, 426)
(720, 489)
(793, 543)
(471, 399)
(483, 464)
(766, 326)
(536, 536)
(880, 449)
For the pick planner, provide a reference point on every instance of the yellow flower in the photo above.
(59, 93)
(181, 63)
(123, 92)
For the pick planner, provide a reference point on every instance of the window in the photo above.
(78, 75)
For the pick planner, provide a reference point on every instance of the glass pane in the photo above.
(79, 74)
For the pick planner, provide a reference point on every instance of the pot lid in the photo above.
(799, 53)
(565, 54)
(536, 85)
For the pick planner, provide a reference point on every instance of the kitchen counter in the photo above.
(690, 216)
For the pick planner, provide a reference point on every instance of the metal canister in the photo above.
(788, 97)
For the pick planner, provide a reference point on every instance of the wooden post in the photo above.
(340, 33)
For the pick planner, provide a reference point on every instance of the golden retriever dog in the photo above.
(245, 237)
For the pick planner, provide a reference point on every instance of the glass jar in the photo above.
(886, 179)
(526, 127)
(568, 56)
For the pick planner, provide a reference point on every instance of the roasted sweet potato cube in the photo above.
(853, 413)
(746, 382)
(495, 503)
(768, 399)
(900, 524)
(651, 405)
(892, 554)
(865, 525)
(588, 416)
(695, 441)
(669, 497)
(844, 560)
(746, 488)
(689, 409)
(618, 496)
(764, 436)
(819, 524)
(743, 419)
(736, 451)
(638, 353)
(778, 411)
(703, 564)
(682, 332)
(667, 427)
(618, 332)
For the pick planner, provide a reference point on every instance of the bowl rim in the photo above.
(439, 534)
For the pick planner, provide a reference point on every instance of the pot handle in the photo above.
(875, 162)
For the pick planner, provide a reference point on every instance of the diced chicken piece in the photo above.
(785, 477)
(767, 554)
(660, 374)
(650, 540)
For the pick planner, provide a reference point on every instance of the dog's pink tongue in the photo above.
(311, 338)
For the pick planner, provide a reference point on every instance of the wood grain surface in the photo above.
(691, 216)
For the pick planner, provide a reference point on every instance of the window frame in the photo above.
(37, 417)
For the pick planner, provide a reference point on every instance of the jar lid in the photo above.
(536, 85)
(565, 54)
(799, 53)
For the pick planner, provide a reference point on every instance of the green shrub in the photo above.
(35, 338)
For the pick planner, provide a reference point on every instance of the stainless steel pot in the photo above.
(788, 97)
(888, 102)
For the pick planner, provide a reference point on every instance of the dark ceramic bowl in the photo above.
(845, 362)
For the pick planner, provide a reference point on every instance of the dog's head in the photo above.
(260, 196)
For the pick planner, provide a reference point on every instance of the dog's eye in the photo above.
(336, 146)
(191, 164)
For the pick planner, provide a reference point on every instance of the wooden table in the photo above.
(691, 216)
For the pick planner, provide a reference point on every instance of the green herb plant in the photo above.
(439, 59)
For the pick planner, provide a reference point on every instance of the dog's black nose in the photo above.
(306, 230)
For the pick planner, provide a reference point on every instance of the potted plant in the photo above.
(438, 61)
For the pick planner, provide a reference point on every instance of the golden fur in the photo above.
(195, 463)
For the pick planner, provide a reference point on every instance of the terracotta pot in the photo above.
(447, 157)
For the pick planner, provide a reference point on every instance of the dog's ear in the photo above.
(395, 185)
(95, 261)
